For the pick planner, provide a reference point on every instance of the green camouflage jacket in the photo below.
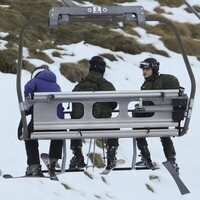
(162, 81)
(156, 82)
(94, 81)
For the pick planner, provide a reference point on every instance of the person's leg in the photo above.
(168, 147)
(77, 160)
(144, 151)
(33, 159)
(169, 151)
(75, 144)
(32, 152)
(55, 153)
(111, 145)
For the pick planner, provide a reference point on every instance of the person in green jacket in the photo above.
(156, 81)
(94, 81)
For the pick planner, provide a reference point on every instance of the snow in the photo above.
(125, 75)
(177, 13)
(5, 6)
(3, 44)
(3, 34)
(173, 13)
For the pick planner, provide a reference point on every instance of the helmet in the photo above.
(97, 64)
(150, 63)
(38, 70)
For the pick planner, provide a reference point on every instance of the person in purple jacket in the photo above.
(42, 80)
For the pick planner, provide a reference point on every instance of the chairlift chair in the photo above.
(46, 124)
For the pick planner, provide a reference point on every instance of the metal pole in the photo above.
(189, 69)
(25, 134)
(64, 157)
(104, 156)
(193, 10)
(69, 3)
(93, 158)
(89, 150)
(134, 154)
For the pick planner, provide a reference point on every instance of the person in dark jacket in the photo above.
(94, 81)
(42, 80)
(156, 81)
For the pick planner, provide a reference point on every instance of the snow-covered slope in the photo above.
(125, 75)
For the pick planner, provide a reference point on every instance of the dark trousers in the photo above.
(167, 144)
(32, 150)
(75, 143)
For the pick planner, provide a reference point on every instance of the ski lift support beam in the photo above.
(96, 14)
(187, 64)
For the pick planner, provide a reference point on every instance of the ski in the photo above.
(118, 163)
(106, 171)
(88, 174)
(53, 176)
(66, 170)
(45, 159)
(140, 166)
(137, 167)
(9, 176)
(182, 188)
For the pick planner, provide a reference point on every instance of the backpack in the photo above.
(168, 81)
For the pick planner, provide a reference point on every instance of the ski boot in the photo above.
(111, 157)
(148, 163)
(172, 160)
(77, 160)
(145, 158)
(34, 170)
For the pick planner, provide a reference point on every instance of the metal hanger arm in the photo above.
(69, 3)
(193, 10)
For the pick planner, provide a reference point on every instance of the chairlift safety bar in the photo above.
(47, 122)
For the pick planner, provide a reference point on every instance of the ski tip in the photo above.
(105, 172)
(88, 174)
(7, 176)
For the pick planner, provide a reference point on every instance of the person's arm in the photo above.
(29, 88)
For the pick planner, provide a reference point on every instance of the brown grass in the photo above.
(106, 2)
(28, 66)
(56, 54)
(96, 159)
(41, 56)
(190, 35)
(8, 61)
(149, 187)
(170, 3)
(75, 72)
(40, 37)
(191, 47)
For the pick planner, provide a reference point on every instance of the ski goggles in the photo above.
(145, 65)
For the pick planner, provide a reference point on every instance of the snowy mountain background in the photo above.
(125, 75)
